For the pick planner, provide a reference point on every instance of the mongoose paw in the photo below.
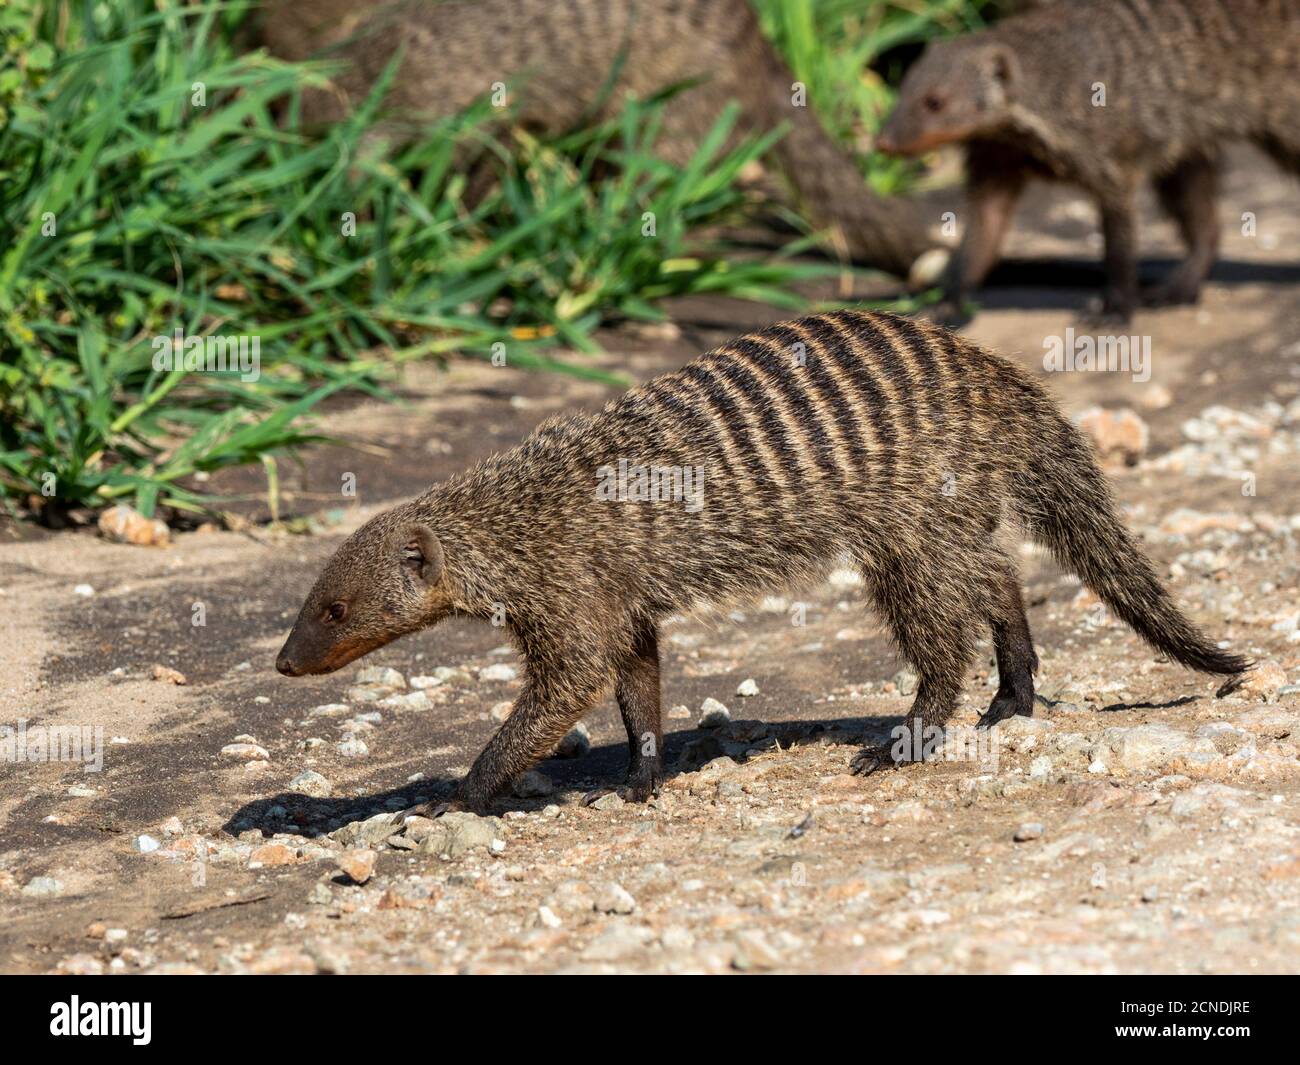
(1171, 294)
(1005, 705)
(1106, 317)
(633, 791)
(950, 314)
(870, 759)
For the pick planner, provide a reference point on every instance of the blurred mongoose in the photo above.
(568, 62)
(1105, 94)
(755, 468)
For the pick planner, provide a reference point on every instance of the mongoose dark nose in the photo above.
(285, 666)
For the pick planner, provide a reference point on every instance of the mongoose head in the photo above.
(957, 90)
(387, 579)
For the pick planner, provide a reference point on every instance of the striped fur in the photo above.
(891, 441)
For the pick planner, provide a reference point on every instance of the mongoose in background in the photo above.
(1180, 77)
(569, 61)
(892, 441)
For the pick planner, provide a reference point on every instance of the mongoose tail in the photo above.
(1067, 506)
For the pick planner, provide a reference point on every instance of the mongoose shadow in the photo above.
(684, 751)
(1023, 284)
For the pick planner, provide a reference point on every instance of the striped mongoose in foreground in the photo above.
(567, 62)
(1106, 94)
(892, 441)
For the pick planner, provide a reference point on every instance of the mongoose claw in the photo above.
(869, 759)
(1003, 707)
(428, 809)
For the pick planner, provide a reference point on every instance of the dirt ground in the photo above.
(1135, 824)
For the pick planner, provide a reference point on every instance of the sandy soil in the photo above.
(1136, 823)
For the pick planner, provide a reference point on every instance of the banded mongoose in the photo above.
(1106, 94)
(568, 62)
(892, 441)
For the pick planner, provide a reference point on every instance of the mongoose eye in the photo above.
(337, 611)
(933, 102)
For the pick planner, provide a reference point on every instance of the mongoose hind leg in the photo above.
(1014, 648)
(1189, 193)
(928, 606)
(637, 691)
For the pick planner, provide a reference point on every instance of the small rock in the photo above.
(906, 681)
(499, 672)
(1029, 830)
(1120, 436)
(713, 714)
(330, 710)
(245, 752)
(351, 747)
(679, 713)
(270, 855)
(747, 687)
(416, 700)
(575, 744)
(609, 801)
(500, 711)
(358, 865)
(457, 833)
(613, 898)
(41, 887)
(146, 844)
(172, 827)
(532, 785)
(125, 525)
(1144, 747)
(311, 783)
(380, 677)
(173, 676)
(753, 951)
(622, 939)
(1264, 682)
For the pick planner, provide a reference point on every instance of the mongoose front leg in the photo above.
(637, 691)
(547, 708)
(1119, 229)
(994, 185)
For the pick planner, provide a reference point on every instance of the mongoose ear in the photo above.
(1003, 67)
(419, 552)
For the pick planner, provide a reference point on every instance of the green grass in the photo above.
(134, 209)
(135, 212)
(831, 46)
